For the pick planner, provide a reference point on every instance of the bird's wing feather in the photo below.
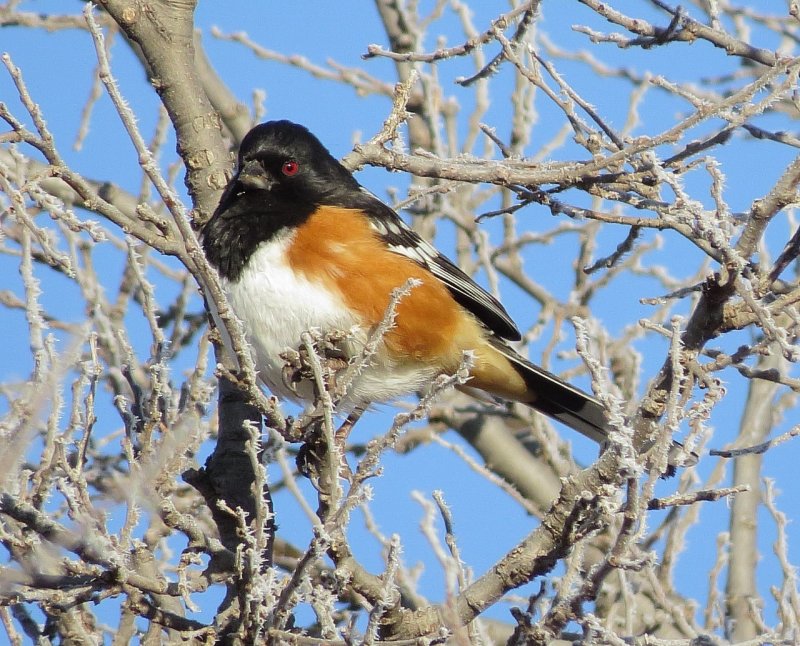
(405, 241)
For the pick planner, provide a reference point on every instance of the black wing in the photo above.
(405, 241)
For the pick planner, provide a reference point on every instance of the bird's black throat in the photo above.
(241, 223)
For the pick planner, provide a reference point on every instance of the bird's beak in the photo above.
(253, 176)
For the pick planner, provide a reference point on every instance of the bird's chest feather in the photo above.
(277, 304)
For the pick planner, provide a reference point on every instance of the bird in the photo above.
(300, 245)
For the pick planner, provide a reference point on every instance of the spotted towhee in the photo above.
(300, 244)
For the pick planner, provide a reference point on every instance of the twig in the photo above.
(757, 449)
(708, 495)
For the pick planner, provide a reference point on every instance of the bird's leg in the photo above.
(321, 369)
(314, 451)
(343, 432)
(340, 440)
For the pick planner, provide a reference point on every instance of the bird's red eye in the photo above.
(290, 168)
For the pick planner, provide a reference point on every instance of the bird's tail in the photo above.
(556, 398)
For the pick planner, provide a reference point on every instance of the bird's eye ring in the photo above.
(290, 168)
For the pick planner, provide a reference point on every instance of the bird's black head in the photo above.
(289, 165)
(284, 174)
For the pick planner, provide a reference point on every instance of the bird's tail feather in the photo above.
(580, 411)
(558, 399)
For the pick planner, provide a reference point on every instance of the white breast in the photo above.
(276, 306)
